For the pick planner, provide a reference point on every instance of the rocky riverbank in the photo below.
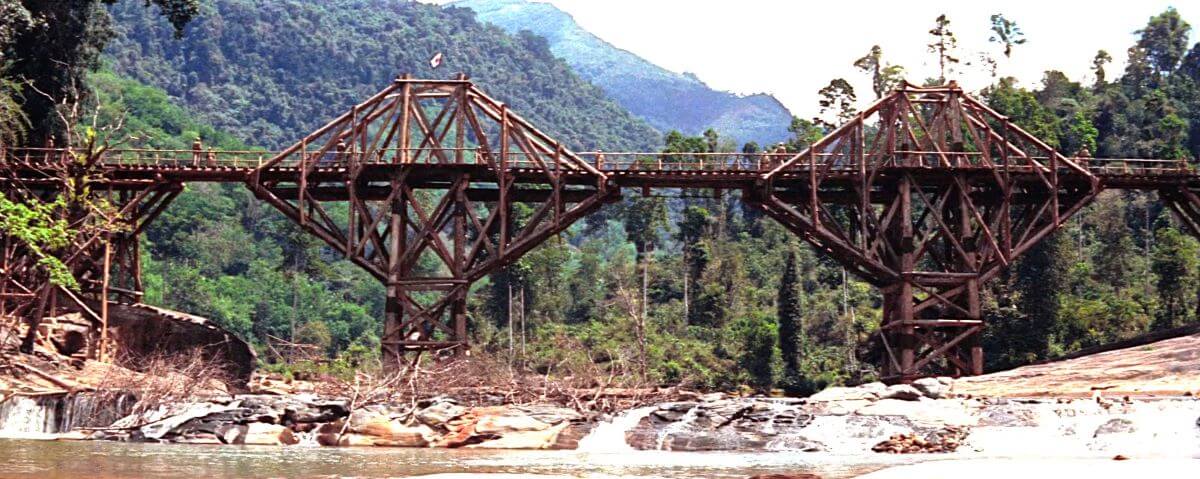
(926, 417)
(307, 419)
(1143, 411)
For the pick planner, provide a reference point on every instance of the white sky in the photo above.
(793, 48)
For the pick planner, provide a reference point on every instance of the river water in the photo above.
(105, 460)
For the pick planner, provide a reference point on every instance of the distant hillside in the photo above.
(270, 72)
(665, 99)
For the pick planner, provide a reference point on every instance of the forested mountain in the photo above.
(667, 100)
(269, 72)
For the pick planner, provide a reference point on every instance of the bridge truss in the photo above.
(430, 185)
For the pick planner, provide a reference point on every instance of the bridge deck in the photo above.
(640, 170)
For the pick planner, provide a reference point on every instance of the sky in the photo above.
(793, 48)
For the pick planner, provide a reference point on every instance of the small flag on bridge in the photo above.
(436, 61)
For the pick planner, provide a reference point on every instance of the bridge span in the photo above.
(926, 194)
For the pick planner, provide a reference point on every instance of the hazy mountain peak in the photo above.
(665, 99)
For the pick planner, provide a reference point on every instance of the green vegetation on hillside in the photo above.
(270, 72)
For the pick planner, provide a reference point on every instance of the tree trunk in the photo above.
(509, 302)
(641, 320)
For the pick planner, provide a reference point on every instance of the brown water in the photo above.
(104, 460)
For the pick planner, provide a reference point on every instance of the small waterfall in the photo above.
(676, 427)
(61, 413)
(610, 436)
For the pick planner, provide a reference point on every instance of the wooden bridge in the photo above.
(926, 194)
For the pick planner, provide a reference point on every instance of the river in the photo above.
(107, 460)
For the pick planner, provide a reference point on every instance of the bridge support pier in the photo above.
(915, 346)
(25, 287)
(926, 195)
(431, 173)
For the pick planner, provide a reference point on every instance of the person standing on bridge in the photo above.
(197, 150)
(1082, 156)
(778, 156)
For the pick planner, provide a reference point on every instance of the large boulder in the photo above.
(145, 331)
(504, 424)
(386, 431)
(933, 388)
(262, 434)
(868, 392)
(544, 438)
(440, 413)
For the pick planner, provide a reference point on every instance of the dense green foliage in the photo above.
(269, 72)
(665, 99)
(49, 46)
(218, 252)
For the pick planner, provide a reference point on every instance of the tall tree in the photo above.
(56, 43)
(884, 77)
(1164, 41)
(837, 103)
(791, 321)
(1101, 59)
(943, 44)
(1175, 264)
(1006, 33)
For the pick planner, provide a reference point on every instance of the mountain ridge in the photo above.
(665, 99)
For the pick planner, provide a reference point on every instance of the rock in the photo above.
(167, 419)
(868, 392)
(505, 423)
(837, 408)
(391, 432)
(524, 439)
(933, 388)
(438, 414)
(903, 392)
(1115, 426)
(944, 440)
(548, 414)
(356, 440)
(933, 413)
(232, 433)
(1008, 416)
(570, 436)
(262, 434)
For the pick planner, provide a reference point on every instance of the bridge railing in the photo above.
(1134, 166)
(140, 157)
(601, 160)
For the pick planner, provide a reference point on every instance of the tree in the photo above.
(1039, 303)
(13, 122)
(837, 99)
(758, 336)
(1175, 264)
(56, 43)
(884, 77)
(791, 322)
(1006, 33)
(1164, 41)
(804, 133)
(944, 45)
(1102, 58)
(696, 224)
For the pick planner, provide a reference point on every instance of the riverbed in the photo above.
(111, 460)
